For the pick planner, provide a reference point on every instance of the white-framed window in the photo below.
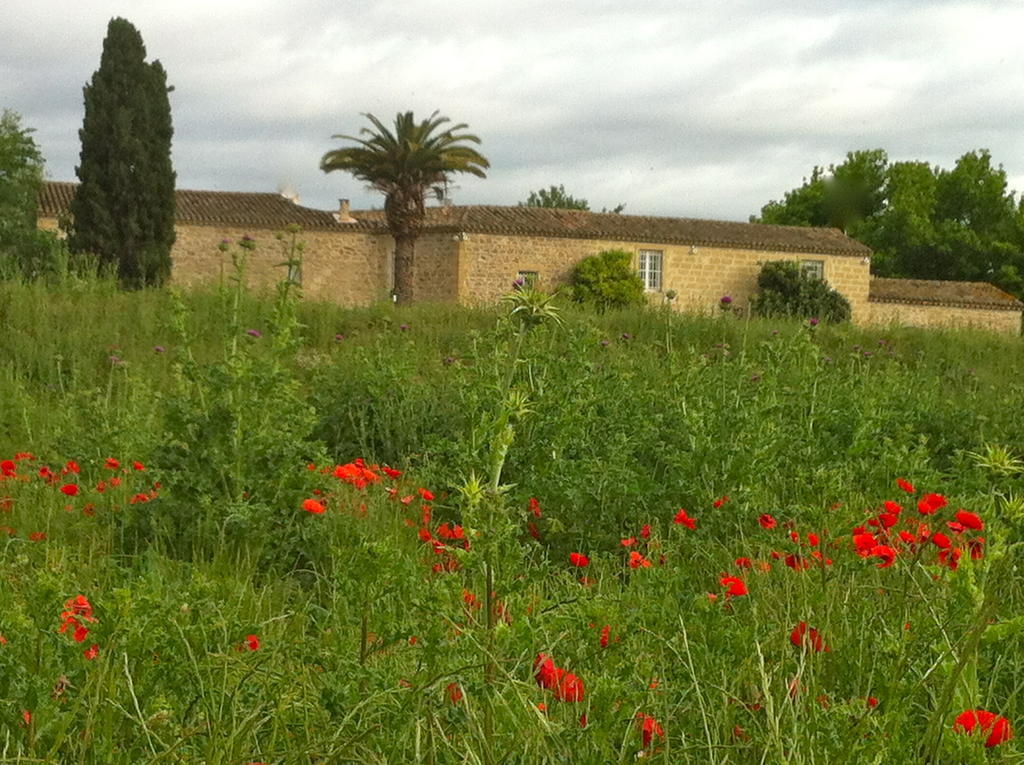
(650, 269)
(814, 269)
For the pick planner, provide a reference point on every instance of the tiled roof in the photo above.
(227, 208)
(952, 294)
(266, 210)
(581, 224)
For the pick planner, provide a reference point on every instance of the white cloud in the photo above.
(681, 108)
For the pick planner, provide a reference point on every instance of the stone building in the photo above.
(472, 254)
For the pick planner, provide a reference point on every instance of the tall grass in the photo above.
(366, 653)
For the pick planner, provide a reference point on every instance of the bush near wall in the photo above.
(607, 280)
(785, 290)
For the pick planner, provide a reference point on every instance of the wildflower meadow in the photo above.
(241, 528)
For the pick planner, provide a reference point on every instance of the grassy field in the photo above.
(243, 528)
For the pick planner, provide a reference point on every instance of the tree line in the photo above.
(922, 221)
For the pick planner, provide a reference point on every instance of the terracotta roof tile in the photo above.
(581, 224)
(227, 208)
(952, 294)
(266, 210)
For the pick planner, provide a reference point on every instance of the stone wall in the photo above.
(436, 271)
(349, 268)
(699, 275)
(910, 315)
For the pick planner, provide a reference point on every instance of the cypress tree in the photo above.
(123, 211)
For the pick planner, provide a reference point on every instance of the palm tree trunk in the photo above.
(404, 259)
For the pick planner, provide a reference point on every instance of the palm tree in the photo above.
(405, 165)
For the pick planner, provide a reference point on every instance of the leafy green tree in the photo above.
(785, 290)
(922, 222)
(607, 280)
(556, 197)
(839, 197)
(24, 250)
(405, 165)
(123, 211)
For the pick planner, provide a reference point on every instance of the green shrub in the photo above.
(784, 290)
(607, 280)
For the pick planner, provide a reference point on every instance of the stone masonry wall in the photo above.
(1003, 321)
(350, 268)
(700, 275)
(435, 275)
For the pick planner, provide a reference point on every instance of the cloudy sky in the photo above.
(674, 107)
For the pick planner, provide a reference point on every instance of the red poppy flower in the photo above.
(977, 548)
(807, 638)
(649, 728)
(636, 560)
(929, 503)
(313, 506)
(391, 472)
(871, 702)
(70, 489)
(252, 642)
(426, 494)
(112, 464)
(767, 521)
(645, 531)
(684, 519)
(941, 540)
(721, 501)
(569, 688)
(8, 468)
(91, 652)
(605, 632)
(906, 485)
(743, 562)
(454, 692)
(797, 563)
(138, 466)
(628, 542)
(970, 520)
(885, 553)
(37, 536)
(534, 507)
(863, 542)
(892, 507)
(532, 530)
(545, 671)
(735, 585)
(579, 560)
(972, 720)
(888, 520)
(907, 537)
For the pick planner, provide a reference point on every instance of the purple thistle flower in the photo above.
(813, 322)
(605, 343)
(339, 337)
(158, 349)
(725, 300)
(253, 333)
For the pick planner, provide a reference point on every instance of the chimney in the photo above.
(343, 215)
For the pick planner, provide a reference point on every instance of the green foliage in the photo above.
(606, 280)
(923, 222)
(25, 251)
(784, 290)
(358, 656)
(123, 210)
(555, 197)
